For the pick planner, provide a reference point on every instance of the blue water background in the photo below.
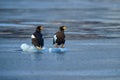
(93, 39)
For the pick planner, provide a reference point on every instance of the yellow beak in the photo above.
(64, 27)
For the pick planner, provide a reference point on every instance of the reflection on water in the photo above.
(36, 56)
(39, 56)
(60, 56)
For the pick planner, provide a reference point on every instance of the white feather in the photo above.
(32, 36)
(55, 38)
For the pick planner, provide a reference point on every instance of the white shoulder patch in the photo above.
(55, 37)
(32, 36)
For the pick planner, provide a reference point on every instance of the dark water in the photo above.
(92, 37)
(84, 18)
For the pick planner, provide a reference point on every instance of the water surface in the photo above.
(92, 37)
